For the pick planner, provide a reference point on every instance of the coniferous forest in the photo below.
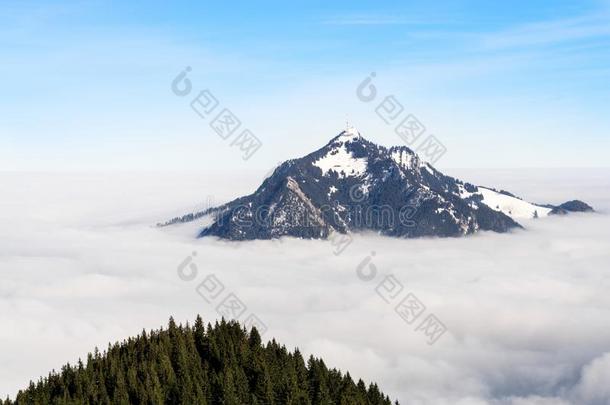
(220, 364)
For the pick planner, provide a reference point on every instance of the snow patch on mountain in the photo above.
(403, 158)
(341, 161)
(511, 206)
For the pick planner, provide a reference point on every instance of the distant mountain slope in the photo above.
(196, 365)
(351, 185)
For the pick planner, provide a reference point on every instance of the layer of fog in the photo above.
(527, 313)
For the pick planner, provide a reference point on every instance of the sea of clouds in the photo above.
(527, 313)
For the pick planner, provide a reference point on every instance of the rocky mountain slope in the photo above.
(352, 185)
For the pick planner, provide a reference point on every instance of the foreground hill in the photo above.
(223, 364)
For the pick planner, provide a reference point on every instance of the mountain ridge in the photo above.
(352, 184)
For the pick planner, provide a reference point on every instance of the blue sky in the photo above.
(86, 85)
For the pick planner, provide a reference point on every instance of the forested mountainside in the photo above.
(220, 364)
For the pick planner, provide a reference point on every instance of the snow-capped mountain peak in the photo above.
(352, 184)
(341, 160)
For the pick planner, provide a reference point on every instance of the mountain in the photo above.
(571, 206)
(221, 364)
(352, 185)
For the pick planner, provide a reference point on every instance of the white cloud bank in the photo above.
(528, 313)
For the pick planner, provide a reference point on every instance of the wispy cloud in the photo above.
(549, 32)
